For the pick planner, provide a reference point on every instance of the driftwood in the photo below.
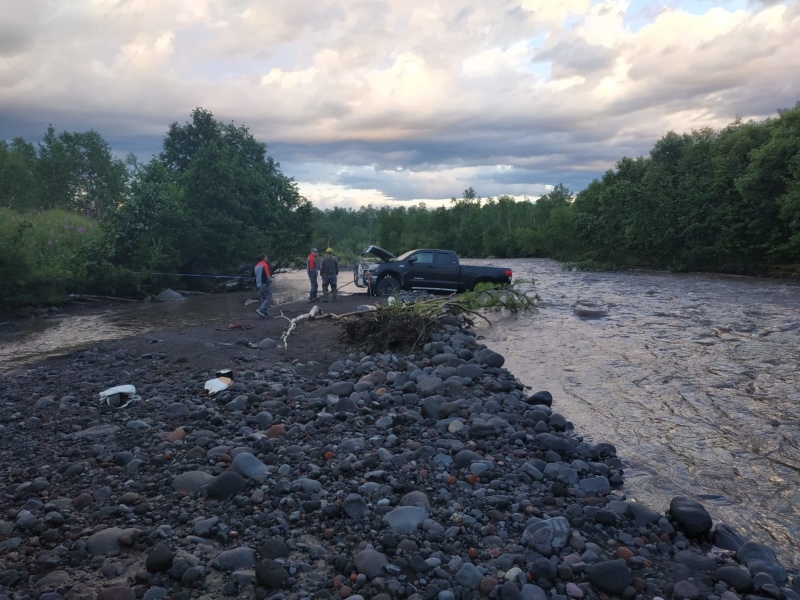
(401, 326)
(405, 327)
(313, 313)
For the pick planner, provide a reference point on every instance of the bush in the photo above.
(43, 256)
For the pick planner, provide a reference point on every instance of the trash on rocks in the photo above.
(119, 396)
(218, 384)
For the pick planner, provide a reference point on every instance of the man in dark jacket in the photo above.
(312, 268)
(264, 286)
(329, 269)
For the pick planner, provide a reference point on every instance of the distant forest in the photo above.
(75, 219)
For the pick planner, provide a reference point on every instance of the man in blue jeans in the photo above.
(329, 269)
(264, 285)
(312, 268)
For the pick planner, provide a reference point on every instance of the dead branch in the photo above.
(293, 324)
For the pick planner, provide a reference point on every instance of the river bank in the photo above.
(325, 472)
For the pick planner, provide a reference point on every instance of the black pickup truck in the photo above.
(432, 270)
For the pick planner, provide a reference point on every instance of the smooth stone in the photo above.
(685, 590)
(112, 540)
(354, 506)
(270, 574)
(97, 431)
(611, 576)
(737, 577)
(469, 576)
(160, 558)
(416, 498)
(226, 485)
(761, 559)
(690, 516)
(235, 559)
(371, 563)
(250, 466)
(191, 481)
(405, 519)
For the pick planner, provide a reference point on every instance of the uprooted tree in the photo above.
(405, 326)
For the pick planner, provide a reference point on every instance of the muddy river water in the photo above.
(694, 378)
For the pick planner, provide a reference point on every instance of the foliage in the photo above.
(209, 203)
(520, 296)
(221, 200)
(78, 172)
(42, 256)
(708, 200)
(19, 181)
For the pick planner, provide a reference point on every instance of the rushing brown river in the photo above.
(694, 378)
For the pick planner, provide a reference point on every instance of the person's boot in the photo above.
(334, 294)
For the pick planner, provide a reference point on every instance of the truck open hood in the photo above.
(379, 253)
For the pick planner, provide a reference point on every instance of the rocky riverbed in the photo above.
(325, 472)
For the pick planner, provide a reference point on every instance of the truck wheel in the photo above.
(388, 287)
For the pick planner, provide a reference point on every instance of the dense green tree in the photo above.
(143, 229)
(771, 188)
(467, 232)
(19, 182)
(440, 229)
(732, 242)
(78, 172)
(228, 200)
(415, 231)
(391, 226)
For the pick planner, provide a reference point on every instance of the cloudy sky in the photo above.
(376, 101)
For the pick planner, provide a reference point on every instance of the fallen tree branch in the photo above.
(293, 324)
(406, 326)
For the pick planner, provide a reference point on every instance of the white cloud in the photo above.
(145, 54)
(403, 98)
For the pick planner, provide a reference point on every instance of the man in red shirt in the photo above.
(264, 285)
(312, 268)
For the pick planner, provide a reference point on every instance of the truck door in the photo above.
(447, 270)
(420, 273)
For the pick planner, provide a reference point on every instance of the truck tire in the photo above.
(388, 286)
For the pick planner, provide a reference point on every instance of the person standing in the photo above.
(330, 269)
(312, 268)
(264, 286)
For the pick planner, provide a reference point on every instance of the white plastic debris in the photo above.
(119, 396)
(218, 384)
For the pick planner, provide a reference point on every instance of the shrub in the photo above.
(43, 256)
